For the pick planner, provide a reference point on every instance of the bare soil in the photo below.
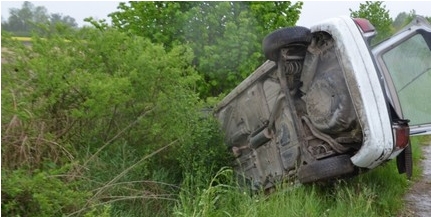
(418, 199)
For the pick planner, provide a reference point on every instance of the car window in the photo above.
(409, 64)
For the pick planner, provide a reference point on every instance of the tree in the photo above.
(400, 20)
(225, 36)
(376, 13)
(40, 15)
(19, 20)
(404, 18)
(29, 18)
(157, 21)
(66, 20)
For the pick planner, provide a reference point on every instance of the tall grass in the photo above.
(376, 193)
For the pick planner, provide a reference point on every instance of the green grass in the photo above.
(376, 193)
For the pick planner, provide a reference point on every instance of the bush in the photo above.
(104, 102)
(204, 154)
(41, 193)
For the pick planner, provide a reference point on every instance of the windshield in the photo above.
(409, 64)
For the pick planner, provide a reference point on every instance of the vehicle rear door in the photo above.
(405, 63)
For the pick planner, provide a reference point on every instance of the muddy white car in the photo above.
(327, 105)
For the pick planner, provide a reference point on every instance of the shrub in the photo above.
(204, 154)
(102, 101)
(41, 193)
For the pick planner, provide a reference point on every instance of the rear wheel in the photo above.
(297, 38)
(326, 169)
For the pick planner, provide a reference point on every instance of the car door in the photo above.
(404, 61)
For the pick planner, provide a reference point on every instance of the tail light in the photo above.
(364, 25)
(368, 30)
(401, 132)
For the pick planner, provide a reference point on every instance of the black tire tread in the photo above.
(280, 38)
(326, 169)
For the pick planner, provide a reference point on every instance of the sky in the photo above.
(312, 11)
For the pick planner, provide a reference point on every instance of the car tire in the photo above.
(284, 37)
(326, 169)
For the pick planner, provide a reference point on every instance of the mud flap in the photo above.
(405, 161)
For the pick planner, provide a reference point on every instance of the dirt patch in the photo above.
(418, 199)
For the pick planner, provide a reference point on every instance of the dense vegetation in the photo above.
(110, 120)
(224, 36)
(75, 111)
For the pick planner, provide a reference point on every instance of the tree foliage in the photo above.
(401, 20)
(225, 36)
(404, 18)
(378, 15)
(22, 21)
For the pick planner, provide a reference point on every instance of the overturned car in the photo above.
(328, 105)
